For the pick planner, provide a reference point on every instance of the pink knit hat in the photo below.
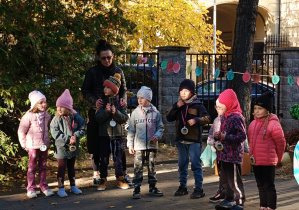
(34, 97)
(66, 100)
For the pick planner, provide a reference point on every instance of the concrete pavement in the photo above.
(167, 175)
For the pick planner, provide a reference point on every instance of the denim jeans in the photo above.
(192, 151)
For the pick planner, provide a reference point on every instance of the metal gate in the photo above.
(208, 87)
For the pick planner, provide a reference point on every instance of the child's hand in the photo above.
(216, 135)
(73, 140)
(108, 107)
(131, 151)
(123, 102)
(99, 103)
(279, 165)
(113, 109)
(191, 122)
(155, 139)
(27, 150)
(180, 103)
(223, 134)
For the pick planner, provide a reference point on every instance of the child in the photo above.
(145, 129)
(267, 145)
(189, 114)
(230, 146)
(220, 194)
(67, 127)
(34, 137)
(111, 118)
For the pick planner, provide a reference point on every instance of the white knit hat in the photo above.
(34, 97)
(145, 92)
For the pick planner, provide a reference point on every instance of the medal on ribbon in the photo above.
(219, 146)
(72, 148)
(112, 123)
(43, 147)
(151, 131)
(184, 130)
(252, 160)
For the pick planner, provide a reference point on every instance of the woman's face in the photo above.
(106, 58)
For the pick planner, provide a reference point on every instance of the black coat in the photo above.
(92, 90)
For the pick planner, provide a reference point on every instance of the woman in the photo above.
(92, 91)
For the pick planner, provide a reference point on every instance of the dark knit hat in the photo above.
(265, 101)
(188, 84)
(113, 82)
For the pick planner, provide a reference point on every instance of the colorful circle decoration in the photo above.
(133, 59)
(139, 59)
(275, 79)
(144, 60)
(151, 62)
(290, 80)
(176, 67)
(294, 111)
(164, 65)
(246, 77)
(169, 66)
(230, 75)
(256, 78)
(298, 81)
(198, 70)
(217, 73)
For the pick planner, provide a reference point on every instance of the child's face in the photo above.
(108, 91)
(220, 108)
(185, 94)
(260, 112)
(62, 110)
(42, 105)
(143, 102)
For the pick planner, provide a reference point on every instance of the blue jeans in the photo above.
(192, 151)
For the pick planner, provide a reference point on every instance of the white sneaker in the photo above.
(48, 192)
(31, 194)
(61, 192)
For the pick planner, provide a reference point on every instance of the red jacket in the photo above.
(267, 151)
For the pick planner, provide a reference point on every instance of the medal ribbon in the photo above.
(185, 115)
(151, 132)
(70, 127)
(42, 131)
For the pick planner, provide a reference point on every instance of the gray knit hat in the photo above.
(145, 92)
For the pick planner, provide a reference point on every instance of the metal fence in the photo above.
(208, 88)
(140, 69)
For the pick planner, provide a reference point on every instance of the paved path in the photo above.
(287, 190)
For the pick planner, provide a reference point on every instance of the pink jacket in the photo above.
(267, 151)
(29, 133)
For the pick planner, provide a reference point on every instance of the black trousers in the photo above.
(232, 182)
(264, 176)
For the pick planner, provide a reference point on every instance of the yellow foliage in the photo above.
(171, 23)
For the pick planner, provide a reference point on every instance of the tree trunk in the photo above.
(246, 16)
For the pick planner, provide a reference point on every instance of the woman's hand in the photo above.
(123, 102)
(99, 103)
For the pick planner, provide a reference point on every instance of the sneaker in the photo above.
(102, 184)
(48, 192)
(136, 193)
(181, 191)
(197, 193)
(75, 190)
(155, 191)
(121, 183)
(128, 180)
(61, 192)
(220, 195)
(96, 181)
(237, 207)
(225, 205)
(31, 194)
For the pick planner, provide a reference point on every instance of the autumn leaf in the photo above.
(77, 202)
(129, 207)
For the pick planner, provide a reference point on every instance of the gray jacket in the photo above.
(62, 133)
(139, 132)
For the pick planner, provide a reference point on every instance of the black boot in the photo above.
(136, 193)
(154, 191)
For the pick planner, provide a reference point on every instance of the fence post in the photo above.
(169, 85)
(288, 96)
